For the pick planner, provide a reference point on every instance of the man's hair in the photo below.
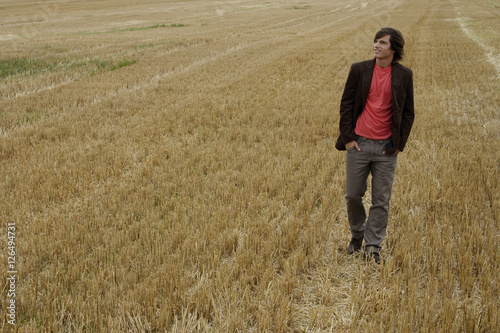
(396, 39)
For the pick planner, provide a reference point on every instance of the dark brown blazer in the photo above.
(355, 95)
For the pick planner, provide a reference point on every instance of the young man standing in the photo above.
(376, 117)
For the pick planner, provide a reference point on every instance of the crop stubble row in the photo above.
(200, 185)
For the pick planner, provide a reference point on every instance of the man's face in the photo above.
(382, 48)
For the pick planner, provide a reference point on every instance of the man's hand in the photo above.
(352, 144)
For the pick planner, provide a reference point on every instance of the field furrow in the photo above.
(170, 166)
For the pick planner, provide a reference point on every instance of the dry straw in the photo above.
(170, 166)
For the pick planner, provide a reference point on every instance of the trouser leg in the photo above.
(382, 170)
(357, 170)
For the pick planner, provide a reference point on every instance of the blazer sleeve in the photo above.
(347, 114)
(408, 114)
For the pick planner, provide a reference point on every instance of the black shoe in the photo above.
(375, 256)
(354, 245)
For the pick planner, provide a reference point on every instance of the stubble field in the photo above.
(170, 166)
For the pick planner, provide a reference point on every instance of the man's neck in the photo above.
(384, 63)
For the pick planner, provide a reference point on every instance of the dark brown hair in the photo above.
(396, 39)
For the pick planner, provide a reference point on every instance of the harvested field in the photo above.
(170, 166)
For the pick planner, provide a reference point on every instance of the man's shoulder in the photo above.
(364, 64)
(401, 68)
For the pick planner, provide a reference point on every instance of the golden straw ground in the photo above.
(170, 166)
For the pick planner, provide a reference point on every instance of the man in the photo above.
(376, 116)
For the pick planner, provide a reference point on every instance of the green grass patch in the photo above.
(156, 26)
(25, 66)
(31, 67)
(108, 66)
(121, 63)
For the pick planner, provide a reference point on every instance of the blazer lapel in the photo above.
(395, 85)
(366, 81)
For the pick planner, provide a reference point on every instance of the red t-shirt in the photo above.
(375, 122)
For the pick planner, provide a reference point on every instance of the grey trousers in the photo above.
(359, 164)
